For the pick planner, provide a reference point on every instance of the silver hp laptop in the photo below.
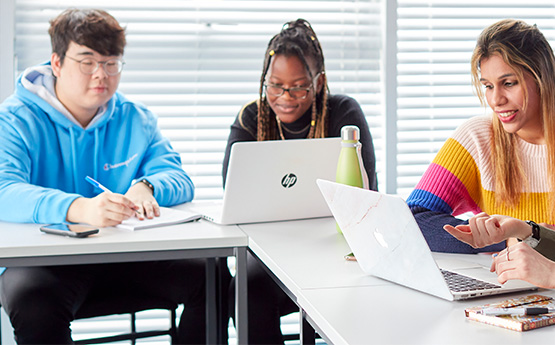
(387, 242)
(275, 180)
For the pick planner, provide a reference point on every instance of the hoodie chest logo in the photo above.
(109, 166)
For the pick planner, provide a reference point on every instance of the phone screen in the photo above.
(73, 230)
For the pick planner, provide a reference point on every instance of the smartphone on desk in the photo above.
(71, 230)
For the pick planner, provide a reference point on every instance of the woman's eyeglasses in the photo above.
(295, 92)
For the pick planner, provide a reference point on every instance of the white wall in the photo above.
(7, 60)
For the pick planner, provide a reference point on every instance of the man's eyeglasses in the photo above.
(295, 92)
(90, 66)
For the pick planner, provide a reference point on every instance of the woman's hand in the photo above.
(484, 230)
(522, 262)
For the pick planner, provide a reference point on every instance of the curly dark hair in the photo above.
(297, 38)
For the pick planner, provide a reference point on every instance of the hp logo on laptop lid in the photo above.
(289, 180)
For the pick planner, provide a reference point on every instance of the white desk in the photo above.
(25, 245)
(392, 314)
(346, 306)
(306, 254)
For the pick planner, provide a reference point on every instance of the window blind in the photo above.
(435, 43)
(195, 63)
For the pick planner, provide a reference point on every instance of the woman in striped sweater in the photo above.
(497, 167)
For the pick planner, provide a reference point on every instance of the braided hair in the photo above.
(297, 38)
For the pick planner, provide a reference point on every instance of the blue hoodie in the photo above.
(45, 154)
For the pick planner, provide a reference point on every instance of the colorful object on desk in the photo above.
(350, 257)
(350, 168)
(516, 320)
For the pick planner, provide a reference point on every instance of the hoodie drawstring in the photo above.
(74, 159)
(96, 149)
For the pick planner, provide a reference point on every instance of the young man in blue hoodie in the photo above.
(64, 122)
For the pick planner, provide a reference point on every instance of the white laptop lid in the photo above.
(387, 242)
(276, 180)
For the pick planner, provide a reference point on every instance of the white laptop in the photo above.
(275, 180)
(387, 243)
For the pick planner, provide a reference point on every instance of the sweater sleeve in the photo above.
(33, 204)
(431, 224)
(450, 187)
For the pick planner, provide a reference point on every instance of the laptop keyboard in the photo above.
(460, 283)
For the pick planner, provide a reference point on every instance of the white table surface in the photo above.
(306, 254)
(392, 314)
(26, 245)
(346, 306)
(21, 240)
(192, 235)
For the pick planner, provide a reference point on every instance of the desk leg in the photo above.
(241, 311)
(308, 335)
(211, 312)
(6, 329)
(222, 291)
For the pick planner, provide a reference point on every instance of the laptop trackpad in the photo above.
(480, 273)
(468, 268)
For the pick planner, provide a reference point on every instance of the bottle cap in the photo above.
(350, 133)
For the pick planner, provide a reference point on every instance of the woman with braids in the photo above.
(500, 167)
(294, 103)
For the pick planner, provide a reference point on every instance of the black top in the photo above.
(342, 111)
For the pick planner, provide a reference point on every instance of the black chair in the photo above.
(94, 307)
(110, 307)
(103, 304)
(110, 304)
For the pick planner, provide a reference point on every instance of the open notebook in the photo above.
(168, 216)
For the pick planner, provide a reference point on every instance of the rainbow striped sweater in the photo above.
(461, 179)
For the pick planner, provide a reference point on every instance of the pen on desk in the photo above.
(97, 184)
(516, 311)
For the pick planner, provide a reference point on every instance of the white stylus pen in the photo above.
(516, 311)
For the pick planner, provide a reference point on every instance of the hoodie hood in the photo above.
(37, 85)
(36, 88)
